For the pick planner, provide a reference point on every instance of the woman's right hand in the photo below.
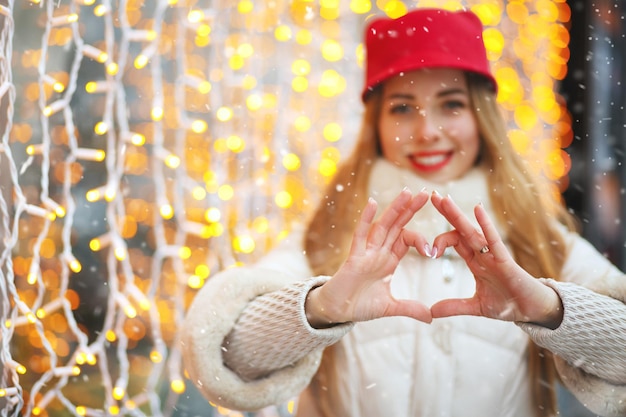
(360, 290)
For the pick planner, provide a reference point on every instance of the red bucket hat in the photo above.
(424, 38)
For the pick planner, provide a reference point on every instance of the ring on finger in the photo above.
(484, 249)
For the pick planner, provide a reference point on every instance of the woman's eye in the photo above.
(454, 105)
(401, 108)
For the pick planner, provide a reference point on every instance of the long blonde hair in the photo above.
(522, 201)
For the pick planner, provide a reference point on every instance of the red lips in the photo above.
(431, 160)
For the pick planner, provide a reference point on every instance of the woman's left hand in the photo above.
(504, 290)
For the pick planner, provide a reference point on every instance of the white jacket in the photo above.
(458, 366)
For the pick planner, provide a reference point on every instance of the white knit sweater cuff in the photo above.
(592, 335)
(310, 338)
(273, 332)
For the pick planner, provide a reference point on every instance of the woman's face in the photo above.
(426, 124)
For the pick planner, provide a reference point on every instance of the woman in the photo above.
(357, 287)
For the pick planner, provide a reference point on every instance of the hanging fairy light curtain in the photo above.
(148, 144)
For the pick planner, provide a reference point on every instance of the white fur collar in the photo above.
(387, 180)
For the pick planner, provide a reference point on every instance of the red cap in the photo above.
(424, 38)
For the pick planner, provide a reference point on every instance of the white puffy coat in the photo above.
(458, 366)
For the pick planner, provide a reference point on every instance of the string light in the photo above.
(52, 205)
(73, 263)
(52, 306)
(169, 159)
(7, 392)
(101, 9)
(136, 139)
(196, 15)
(126, 306)
(101, 128)
(198, 229)
(64, 20)
(97, 243)
(93, 87)
(178, 385)
(103, 192)
(85, 357)
(112, 68)
(54, 107)
(119, 392)
(144, 56)
(141, 35)
(138, 296)
(199, 126)
(166, 211)
(95, 53)
(89, 154)
(32, 150)
(66, 371)
(33, 275)
(203, 86)
(21, 369)
(157, 112)
(37, 211)
(57, 86)
(176, 166)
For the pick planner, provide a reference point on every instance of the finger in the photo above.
(410, 238)
(421, 198)
(359, 239)
(416, 203)
(462, 224)
(455, 307)
(435, 199)
(452, 239)
(409, 308)
(494, 241)
(385, 224)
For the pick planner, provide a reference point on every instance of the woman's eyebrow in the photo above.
(451, 91)
(442, 93)
(403, 96)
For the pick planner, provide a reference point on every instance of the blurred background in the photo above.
(148, 144)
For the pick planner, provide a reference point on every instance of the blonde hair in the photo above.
(522, 201)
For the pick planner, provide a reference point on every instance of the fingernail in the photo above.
(423, 189)
(450, 197)
(427, 250)
(436, 192)
(434, 255)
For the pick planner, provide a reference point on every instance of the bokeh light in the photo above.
(154, 146)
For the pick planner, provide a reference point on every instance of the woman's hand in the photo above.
(504, 290)
(360, 290)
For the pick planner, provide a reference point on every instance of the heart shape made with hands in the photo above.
(360, 289)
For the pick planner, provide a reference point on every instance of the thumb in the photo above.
(410, 308)
(455, 307)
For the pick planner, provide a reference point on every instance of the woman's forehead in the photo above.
(426, 80)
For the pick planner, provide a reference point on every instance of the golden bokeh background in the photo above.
(152, 143)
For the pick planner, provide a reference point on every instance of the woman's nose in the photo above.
(426, 128)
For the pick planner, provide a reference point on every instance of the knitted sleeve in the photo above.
(273, 332)
(591, 337)
(267, 309)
